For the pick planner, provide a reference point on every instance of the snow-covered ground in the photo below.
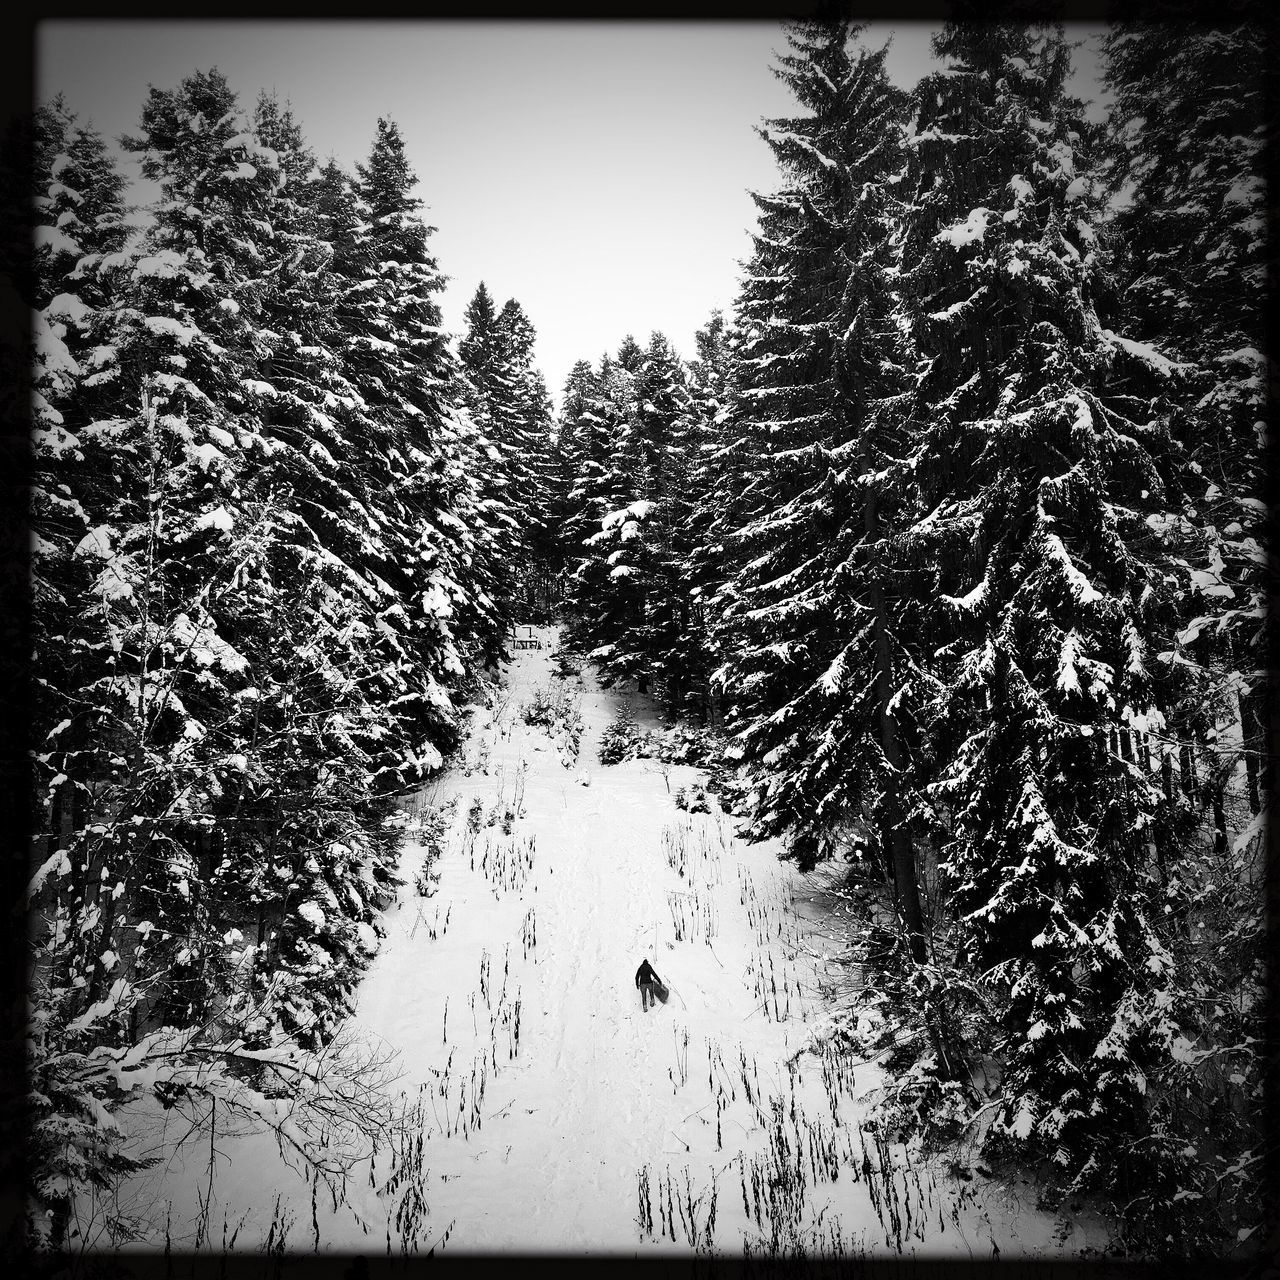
(553, 1113)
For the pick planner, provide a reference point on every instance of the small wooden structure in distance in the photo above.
(524, 638)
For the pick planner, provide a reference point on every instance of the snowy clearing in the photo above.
(551, 1113)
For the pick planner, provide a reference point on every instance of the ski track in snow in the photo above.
(539, 1145)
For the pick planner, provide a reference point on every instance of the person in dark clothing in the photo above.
(646, 980)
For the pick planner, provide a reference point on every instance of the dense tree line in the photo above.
(272, 518)
(510, 407)
(956, 528)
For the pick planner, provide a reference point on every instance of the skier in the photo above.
(646, 980)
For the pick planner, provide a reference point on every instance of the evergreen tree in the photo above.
(530, 445)
(338, 642)
(710, 384)
(509, 404)
(629, 600)
(165, 590)
(822, 668)
(79, 237)
(628, 361)
(566, 462)
(1187, 134)
(357, 423)
(1189, 161)
(184, 582)
(1036, 490)
(478, 348)
(257, 519)
(664, 422)
(409, 379)
(490, 400)
(599, 609)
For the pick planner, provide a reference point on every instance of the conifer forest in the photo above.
(939, 567)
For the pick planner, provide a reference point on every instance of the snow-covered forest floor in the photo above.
(546, 1110)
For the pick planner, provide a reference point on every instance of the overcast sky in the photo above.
(597, 172)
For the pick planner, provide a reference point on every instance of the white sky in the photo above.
(597, 172)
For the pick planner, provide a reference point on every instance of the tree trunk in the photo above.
(1251, 722)
(79, 857)
(1219, 821)
(900, 854)
(1186, 763)
(55, 811)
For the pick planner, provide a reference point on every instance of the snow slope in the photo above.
(553, 1113)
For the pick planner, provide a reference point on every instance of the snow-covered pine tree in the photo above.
(729, 484)
(235, 470)
(600, 608)
(409, 379)
(659, 438)
(1188, 146)
(365, 428)
(309, 857)
(627, 362)
(757, 392)
(491, 394)
(1036, 490)
(489, 398)
(478, 348)
(166, 415)
(821, 671)
(530, 445)
(81, 217)
(182, 550)
(1192, 219)
(287, 811)
(378, 427)
(79, 220)
(566, 463)
(638, 605)
(508, 401)
(701, 567)
(1188, 128)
